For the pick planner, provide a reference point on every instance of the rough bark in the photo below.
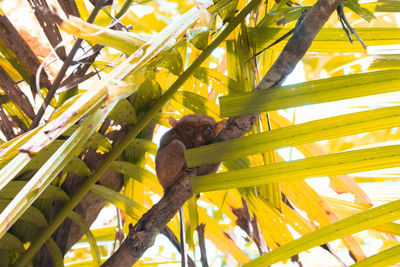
(142, 236)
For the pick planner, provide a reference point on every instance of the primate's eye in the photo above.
(208, 130)
(189, 130)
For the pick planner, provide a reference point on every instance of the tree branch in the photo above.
(143, 234)
(298, 45)
(202, 244)
(291, 54)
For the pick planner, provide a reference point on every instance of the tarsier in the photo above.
(190, 131)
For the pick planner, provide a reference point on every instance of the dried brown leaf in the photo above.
(69, 7)
(42, 52)
(106, 3)
(15, 93)
(5, 125)
(14, 42)
(49, 26)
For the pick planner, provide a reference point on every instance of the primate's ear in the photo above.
(173, 122)
(219, 125)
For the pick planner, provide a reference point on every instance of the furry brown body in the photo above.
(190, 131)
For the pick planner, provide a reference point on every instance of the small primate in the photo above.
(190, 131)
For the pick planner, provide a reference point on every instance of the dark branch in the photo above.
(298, 45)
(142, 235)
(202, 244)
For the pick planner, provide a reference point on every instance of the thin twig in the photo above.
(184, 262)
(283, 37)
(202, 244)
(167, 232)
(347, 27)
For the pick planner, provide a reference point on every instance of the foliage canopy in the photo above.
(86, 94)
